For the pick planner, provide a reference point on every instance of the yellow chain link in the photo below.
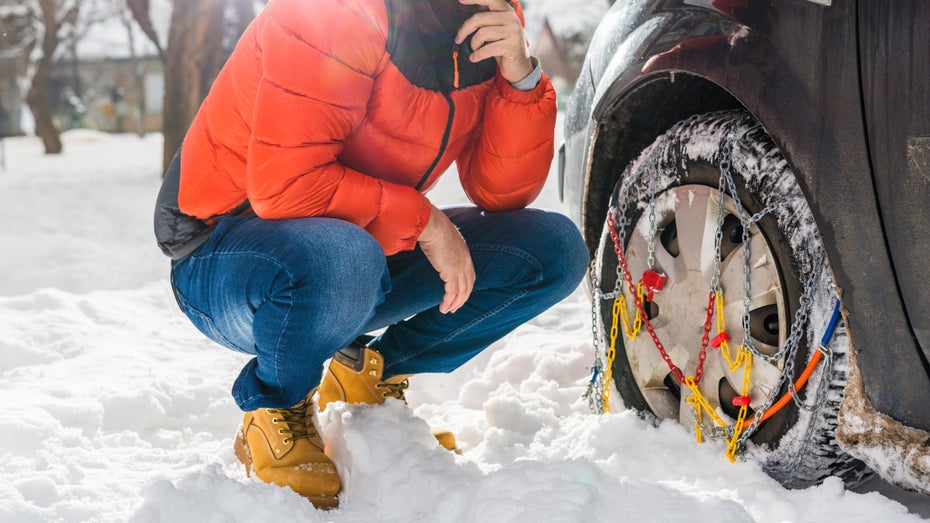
(700, 404)
(611, 351)
(701, 401)
(698, 417)
(633, 331)
(620, 312)
(734, 363)
(733, 443)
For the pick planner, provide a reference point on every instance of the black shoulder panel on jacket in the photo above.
(421, 38)
(177, 233)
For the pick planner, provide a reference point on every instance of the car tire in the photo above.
(667, 186)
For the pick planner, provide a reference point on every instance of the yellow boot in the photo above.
(354, 376)
(283, 447)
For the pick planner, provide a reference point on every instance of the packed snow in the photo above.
(117, 409)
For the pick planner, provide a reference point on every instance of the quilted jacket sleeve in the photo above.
(506, 166)
(507, 161)
(313, 91)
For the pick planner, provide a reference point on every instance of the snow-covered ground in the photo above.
(116, 409)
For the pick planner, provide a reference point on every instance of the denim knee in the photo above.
(561, 252)
(346, 258)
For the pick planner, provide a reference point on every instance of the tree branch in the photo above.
(140, 11)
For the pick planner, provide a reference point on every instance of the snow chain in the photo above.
(735, 435)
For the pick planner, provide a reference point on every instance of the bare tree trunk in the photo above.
(138, 73)
(193, 59)
(37, 97)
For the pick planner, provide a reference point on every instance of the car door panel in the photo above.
(895, 55)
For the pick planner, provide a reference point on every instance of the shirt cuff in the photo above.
(531, 80)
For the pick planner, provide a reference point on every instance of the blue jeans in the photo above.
(293, 292)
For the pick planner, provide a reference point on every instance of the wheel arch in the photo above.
(628, 124)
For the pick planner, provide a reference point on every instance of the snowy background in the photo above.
(116, 409)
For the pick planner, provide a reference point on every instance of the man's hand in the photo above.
(498, 34)
(445, 249)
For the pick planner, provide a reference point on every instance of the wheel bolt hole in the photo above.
(673, 386)
(736, 234)
(732, 231)
(652, 309)
(669, 239)
(764, 325)
(771, 324)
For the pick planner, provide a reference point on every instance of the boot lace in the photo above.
(394, 390)
(297, 423)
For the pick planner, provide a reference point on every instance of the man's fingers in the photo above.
(488, 34)
(458, 302)
(448, 299)
(479, 20)
(467, 285)
(454, 299)
(452, 291)
(463, 295)
(457, 291)
(499, 35)
(490, 50)
(446, 304)
(493, 5)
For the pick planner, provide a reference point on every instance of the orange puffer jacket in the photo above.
(350, 109)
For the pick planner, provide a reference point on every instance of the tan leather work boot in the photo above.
(283, 447)
(354, 376)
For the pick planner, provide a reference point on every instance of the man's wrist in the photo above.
(530, 81)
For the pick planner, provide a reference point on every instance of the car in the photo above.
(753, 181)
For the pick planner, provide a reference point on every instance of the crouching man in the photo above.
(296, 219)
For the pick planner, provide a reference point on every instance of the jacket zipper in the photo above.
(443, 145)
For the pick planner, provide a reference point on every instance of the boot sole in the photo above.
(241, 448)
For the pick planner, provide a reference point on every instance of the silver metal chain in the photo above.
(651, 240)
(597, 383)
(788, 351)
(797, 328)
(728, 184)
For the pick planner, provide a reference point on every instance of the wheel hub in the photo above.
(687, 299)
(686, 225)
